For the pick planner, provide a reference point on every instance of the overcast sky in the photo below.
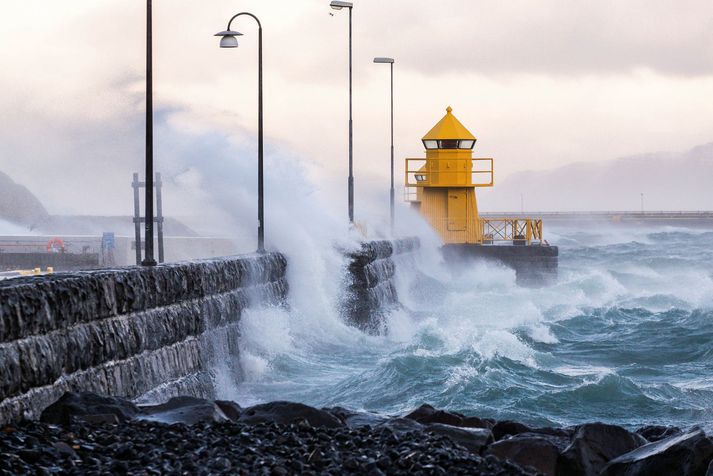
(541, 83)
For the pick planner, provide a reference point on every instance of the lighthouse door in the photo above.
(456, 210)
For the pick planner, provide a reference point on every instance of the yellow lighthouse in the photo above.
(442, 187)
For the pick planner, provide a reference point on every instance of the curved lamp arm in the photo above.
(244, 13)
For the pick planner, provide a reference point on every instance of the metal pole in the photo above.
(137, 218)
(391, 191)
(159, 217)
(148, 256)
(260, 195)
(351, 135)
(260, 149)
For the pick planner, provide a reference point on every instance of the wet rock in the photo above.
(475, 422)
(657, 432)
(85, 405)
(427, 414)
(356, 419)
(288, 412)
(474, 439)
(687, 454)
(505, 428)
(540, 452)
(594, 445)
(402, 425)
(100, 419)
(64, 449)
(186, 410)
(231, 409)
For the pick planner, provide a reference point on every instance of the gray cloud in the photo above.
(545, 37)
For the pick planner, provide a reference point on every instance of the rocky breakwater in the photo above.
(370, 292)
(90, 434)
(142, 333)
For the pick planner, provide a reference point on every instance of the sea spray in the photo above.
(622, 337)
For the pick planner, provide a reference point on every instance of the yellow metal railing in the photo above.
(525, 230)
(419, 172)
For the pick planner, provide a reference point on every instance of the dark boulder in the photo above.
(427, 414)
(402, 425)
(687, 454)
(288, 412)
(231, 409)
(473, 439)
(594, 445)
(658, 432)
(540, 452)
(187, 410)
(505, 428)
(356, 419)
(475, 422)
(89, 405)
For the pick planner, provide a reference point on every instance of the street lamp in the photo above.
(228, 39)
(336, 5)
(390, 61)
(148, 224)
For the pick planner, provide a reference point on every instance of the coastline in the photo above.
(91, 434)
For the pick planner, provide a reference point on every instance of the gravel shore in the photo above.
(92, 434)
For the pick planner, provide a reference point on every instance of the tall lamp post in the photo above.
(148, 235)
(229, 40)
(390, 61)
(337, 5)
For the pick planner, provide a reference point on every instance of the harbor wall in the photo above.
(140, 332)
(370, 292)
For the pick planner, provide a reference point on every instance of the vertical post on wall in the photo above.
(137, 218)
(391, 191)
(351, 129)
(148, 255)
(260, 151)
(159, 217)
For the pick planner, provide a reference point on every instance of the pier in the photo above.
(695, 219)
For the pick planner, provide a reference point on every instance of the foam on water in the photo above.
(623, 336)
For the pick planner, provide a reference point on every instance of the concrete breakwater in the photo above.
(534, 266)
(140, 333)
(370, 292)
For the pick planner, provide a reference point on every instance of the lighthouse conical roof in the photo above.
(448, 128)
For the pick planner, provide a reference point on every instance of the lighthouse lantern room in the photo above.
(442, 187)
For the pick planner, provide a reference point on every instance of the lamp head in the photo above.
(228, 38)
(337, 5)
(384, 60)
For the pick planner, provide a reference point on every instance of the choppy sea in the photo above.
(624, 336)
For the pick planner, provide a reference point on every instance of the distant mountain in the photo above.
(96, 225)
(18, 205)
(20, 209)
(668, 181)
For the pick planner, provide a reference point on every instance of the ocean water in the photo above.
(624, 336)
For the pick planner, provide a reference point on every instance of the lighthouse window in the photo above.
(467, 144)
(430, 144)
(449, 144)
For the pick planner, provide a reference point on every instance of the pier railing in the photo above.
(517, 230)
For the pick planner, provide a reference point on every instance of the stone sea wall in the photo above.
(134, 332)
(370, 290)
